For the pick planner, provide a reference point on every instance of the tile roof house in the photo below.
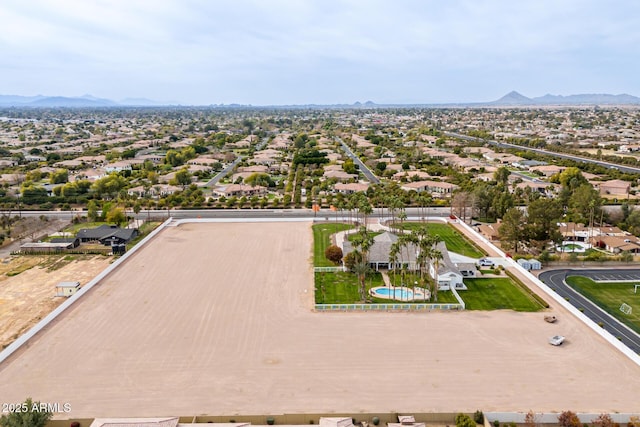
(490, 231)
(239, 190)
(434, 187)
(617, 244)
(614, 187)
(350, 188)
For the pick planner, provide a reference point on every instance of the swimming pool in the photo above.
(401, 294)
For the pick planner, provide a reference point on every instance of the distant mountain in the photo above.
(17, 100)
(62, 101)
(514, 98)
(41, 101)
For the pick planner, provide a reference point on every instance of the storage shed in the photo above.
(66, 289)
(530, 264)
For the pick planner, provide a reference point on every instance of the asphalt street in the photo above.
(623, 168)
(363, 168)
(555, 279)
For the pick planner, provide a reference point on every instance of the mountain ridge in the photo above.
(512, 98)
(516, 98)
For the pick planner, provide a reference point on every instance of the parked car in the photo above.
(485, 262)
(556, 340)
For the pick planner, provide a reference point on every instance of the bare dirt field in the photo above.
(216, 319)
(27, 288)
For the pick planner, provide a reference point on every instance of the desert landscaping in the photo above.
(217, 319)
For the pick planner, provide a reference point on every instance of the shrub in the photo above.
(478, 417)
(75, 424)
(375, 421)
(496, 423)
(463, 420)
(569, 419)
(334, 254)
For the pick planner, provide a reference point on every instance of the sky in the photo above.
(282, 52)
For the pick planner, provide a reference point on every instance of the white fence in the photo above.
(387, 307)
(328, 269)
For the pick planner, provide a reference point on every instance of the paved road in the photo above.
(363, 168)
(555, 279)
(412, 213)
(224, 172)
(626, 169)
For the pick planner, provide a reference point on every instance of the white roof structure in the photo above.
(135, 422)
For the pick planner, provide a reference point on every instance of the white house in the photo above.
(448, 274)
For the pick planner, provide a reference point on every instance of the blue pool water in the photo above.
(401, 294)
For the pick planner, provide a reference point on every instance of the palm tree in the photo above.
(361, 269)
(362, 241)
(393, 260)
(436, 257)
(402, 216)
(366, 210)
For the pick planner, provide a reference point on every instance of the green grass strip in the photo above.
(322, 240)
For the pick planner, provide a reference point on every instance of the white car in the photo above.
(485, 262)
(556, 340)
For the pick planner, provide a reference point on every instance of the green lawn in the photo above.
(455, 241)
(321, 240)
(497, 294)
(609, 297)
(342, 287)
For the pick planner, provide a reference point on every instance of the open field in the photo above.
(609, 297)
(27, 287)
(454, 240)
(216, 319)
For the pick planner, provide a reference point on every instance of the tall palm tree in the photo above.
(393, 260)
(402, 216)
(436, 257)
(366, 210)
(361, 269)
(362, 241)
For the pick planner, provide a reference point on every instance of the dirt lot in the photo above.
(27, 287)
(217, 319)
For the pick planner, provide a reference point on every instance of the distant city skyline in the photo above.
(280, 52)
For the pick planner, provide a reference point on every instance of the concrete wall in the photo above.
(552, 418)
(291, 419)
